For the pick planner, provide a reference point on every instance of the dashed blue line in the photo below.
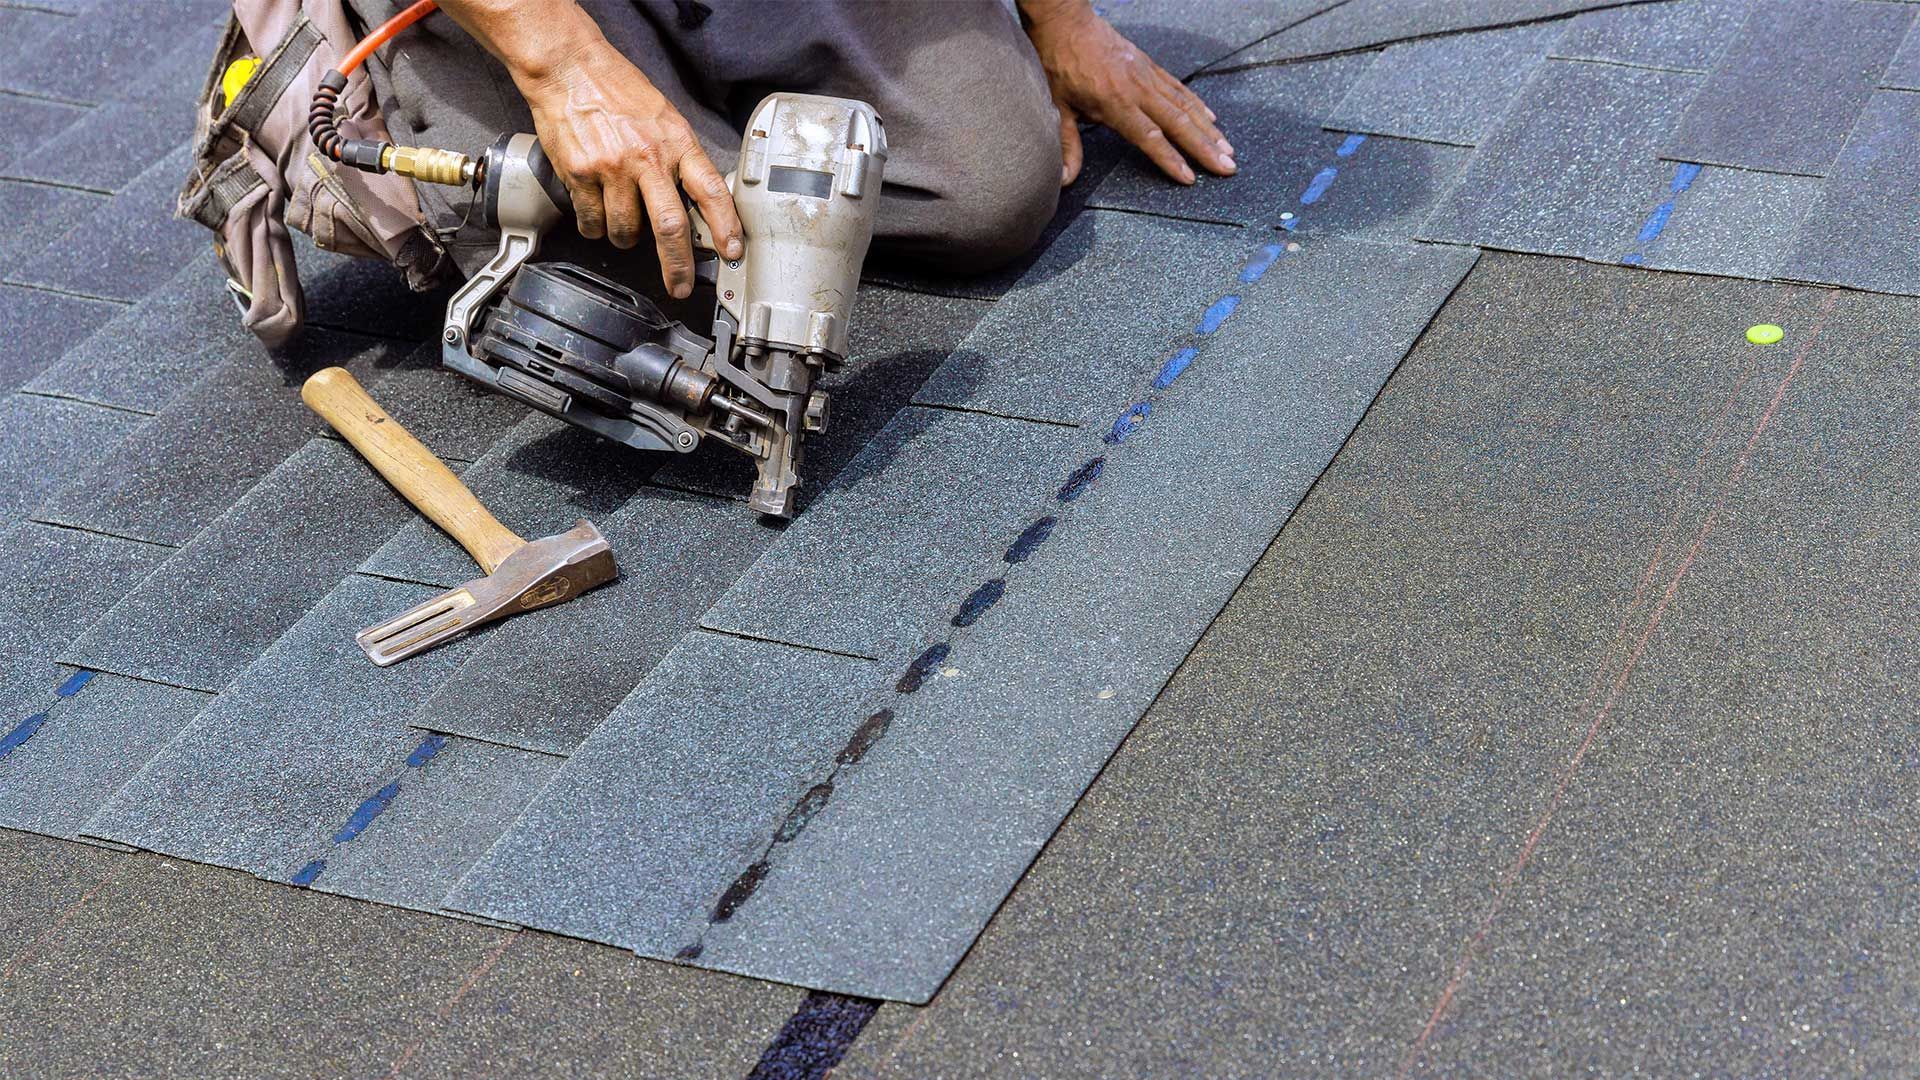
(1321, 182)
(429, 746)
(1262, 259)
(74, 684)
(1217, 314)
(363, 815)
(1129, 422)
(1656, 222)
(308, 872)
(1171, 370)
(1347, 148)
(1683, 176)
(21, 733)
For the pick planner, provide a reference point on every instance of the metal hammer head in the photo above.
(542, 573)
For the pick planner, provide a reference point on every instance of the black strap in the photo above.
(230, 183)
(268, 84)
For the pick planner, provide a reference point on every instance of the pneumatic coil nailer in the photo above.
(574, 344)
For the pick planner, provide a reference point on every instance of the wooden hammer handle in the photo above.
(427, 483)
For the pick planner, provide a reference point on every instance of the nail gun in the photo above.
(592, 352)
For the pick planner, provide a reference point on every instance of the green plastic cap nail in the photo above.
(1765, 334)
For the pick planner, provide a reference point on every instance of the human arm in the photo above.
(1096, 73)
(619, 145)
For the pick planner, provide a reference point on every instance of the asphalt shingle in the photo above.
(895, 875)
(203, 616)
(39, 215)
(307, 734)
(184, 467)
(543, 680)
(656, 813)
(1313, 817)
(152, 352)
(45, 442)
(145, 117)
(448, 803)
(39, 328)
(1686, 36)
(86, 59)
(1870, 196)
(1362, 24)
(60, 580)
(1447, 90)
(1598, 124)
(92, 739)
(1114, 287)
(1788, 89)
(126, 247)
(922, 513)
(1273, 115)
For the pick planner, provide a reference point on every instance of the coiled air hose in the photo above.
(374, 155)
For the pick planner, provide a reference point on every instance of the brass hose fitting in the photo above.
(426, 163)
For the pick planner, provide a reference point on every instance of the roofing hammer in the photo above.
(520, 574)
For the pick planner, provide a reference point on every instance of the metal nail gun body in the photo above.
(592, 352)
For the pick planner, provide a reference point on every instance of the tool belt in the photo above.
(256, 172)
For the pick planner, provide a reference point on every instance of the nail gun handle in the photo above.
(427, 483)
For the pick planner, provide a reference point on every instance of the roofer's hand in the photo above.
(620, 144)
(1097, 74)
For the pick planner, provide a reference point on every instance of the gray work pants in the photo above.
(974, 170)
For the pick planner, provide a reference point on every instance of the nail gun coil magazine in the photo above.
(591, 351)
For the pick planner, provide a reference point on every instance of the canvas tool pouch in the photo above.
(256, 172)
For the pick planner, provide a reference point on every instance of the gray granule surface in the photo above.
(897, 339)
(554, 1007)
(302, 738)
(59, 580)
(27, 122)
(1384, 189)
(1686, 36)
(92, 56)
(1598, 124)
(203, 616)
(1063, 347)
(1734, 222)
(1903, 72)
(1870, 192)
(90, 744)
(186, 466)
(670, 799)
(1447, 90)
(127, 246)
(40, 215)
(543, 477)
(44, 877)
(47, 442)
(920, 517)
(449, 413)
(448, 812)
(39, 327)
(1361, 24)
(545, 679)
(1353, 756)
(1788, 89)
(27, 685)
(1183, 37)
(941, 818)
(177, 332)
(171, 969)
(149, 116)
